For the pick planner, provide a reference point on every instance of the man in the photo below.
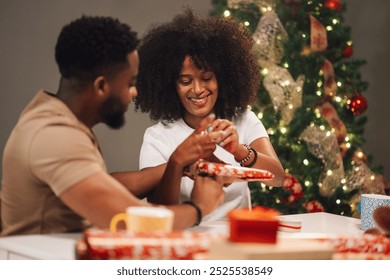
(54, 177)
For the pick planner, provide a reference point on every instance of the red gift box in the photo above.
(258, 225)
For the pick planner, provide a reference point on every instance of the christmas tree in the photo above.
(311, 102)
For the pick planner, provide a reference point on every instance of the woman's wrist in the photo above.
(250, 158)
(177, 161)
(245, 154)
(241, 153)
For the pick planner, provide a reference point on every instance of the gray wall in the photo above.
(28, 33)
(29, 29)
(370, 23)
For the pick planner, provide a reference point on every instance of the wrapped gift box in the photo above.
(103, 245)
(238, 173)
(258, 225)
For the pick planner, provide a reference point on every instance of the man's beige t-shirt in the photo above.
(48, 151)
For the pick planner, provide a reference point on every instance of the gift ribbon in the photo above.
(318, 36)
(329, 113)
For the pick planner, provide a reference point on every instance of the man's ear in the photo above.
(100, 86)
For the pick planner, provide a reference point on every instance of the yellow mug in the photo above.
(144, 219)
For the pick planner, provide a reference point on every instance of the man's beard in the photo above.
(113, 111)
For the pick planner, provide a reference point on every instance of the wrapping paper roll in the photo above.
(238, 173)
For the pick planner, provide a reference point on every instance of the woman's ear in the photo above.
(100, 86)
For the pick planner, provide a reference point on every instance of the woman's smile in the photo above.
(200, 100)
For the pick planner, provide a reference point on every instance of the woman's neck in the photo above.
(193, 121)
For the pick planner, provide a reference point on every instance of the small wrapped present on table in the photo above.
(257, 225)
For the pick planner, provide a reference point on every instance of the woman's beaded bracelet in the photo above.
(251, 151)
(255, 157)
(245, 159)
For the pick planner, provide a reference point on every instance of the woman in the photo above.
(190, 68)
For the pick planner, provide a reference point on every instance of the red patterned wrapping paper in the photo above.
(237, 172)
(180, 245)
(363, 247)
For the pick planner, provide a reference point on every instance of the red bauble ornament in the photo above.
(314, 206)
(292, 184)
(357, 105)
(347, 52)
(334, 5)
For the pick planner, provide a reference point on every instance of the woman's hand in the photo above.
(230, 139)
(199, 145)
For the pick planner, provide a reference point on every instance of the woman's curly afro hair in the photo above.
(217, 44)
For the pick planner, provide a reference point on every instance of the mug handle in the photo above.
(116, 219)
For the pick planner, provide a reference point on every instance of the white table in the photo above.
(39, 247)
(312, 223)
(62, 246)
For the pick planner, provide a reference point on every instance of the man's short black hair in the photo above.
(93, 45)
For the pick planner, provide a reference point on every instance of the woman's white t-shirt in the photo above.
(160, 140)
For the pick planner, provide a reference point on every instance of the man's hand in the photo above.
(207, 193)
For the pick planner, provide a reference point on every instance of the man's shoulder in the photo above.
(45, 109)
(47, 114)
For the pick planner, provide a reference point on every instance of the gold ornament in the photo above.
(285, 93)
(323, 144)
(361, 177)
(269, 38)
